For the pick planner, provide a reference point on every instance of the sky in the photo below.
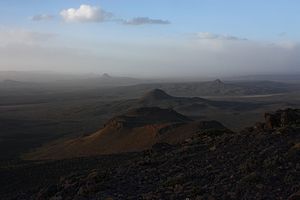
(151, 38)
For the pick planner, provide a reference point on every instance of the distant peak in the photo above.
(105, 75)
(9, 81)
(156, 94)
(149, 111)
(218, 81)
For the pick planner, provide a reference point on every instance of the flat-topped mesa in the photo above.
(156, 94)
(282, 118)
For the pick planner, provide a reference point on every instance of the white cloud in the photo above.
(286, 44)
(85, 13)
(282, 34)
(88, 13)
(145, 20)
(42, 17)
(212, 36)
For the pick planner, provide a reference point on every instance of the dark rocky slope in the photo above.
(261, 162)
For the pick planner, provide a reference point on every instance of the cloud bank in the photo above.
(42, 17)
(87, 13)
(213, 36)
(145, 20)
(23, 36)
(210, 55)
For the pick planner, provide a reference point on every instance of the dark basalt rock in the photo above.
(295, 196)
(257, 163)
(282, 118)
(162, 147)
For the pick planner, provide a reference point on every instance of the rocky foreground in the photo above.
(261, 162)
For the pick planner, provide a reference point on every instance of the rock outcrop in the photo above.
(295, 196)
(282, 118)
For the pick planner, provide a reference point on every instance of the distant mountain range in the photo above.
(211, 88)
(185, 105)
(134, 87)
(66, 80)
(270, 77)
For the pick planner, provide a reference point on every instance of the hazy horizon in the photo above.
(151, 39)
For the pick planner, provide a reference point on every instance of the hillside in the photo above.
(136, 130)
(260, 162)
(155, 95)
(227, 112)
(48, 115)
